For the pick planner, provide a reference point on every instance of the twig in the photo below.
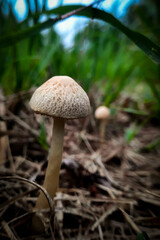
(77, 212)
(24, 124)
(84, 138)
(8, 230)
(59, 215)
(112, 209)
(18, 218)
(130, 221)
(10, 201)
(152, 193)
(127, 217)
(98, 161)
(4, 140)
(50, 201)
(100, 232)
(67, 197)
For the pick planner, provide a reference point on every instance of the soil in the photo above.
(109, 188)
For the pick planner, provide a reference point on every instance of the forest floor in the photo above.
(108, 189)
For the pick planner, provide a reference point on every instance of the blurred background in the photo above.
(94, 53)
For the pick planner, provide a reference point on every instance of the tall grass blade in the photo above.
(145, 44)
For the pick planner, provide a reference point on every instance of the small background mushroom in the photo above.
(102, 113)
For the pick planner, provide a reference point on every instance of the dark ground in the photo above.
(108, 190)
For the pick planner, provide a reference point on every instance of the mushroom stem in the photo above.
(102, 129)
(54, 163)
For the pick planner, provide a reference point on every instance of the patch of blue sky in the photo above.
(20, 9)
(69, 27)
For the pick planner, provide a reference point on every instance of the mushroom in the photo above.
(102, 113)
(61, 98)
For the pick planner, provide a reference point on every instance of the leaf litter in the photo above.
(108, 190)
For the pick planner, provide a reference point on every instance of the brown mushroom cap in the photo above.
(61, 97)
(102, 112)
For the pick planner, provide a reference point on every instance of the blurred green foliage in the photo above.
(100, 57)
(131, 132)
(142, 236)
(43, 138)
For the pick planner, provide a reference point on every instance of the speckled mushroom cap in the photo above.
(102, 112)
(62, 97)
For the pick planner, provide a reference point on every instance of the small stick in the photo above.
(130, 221)
(8, 230)
(127, 217)
(50, 201)
(4, 140)
(112, 209)
(24, 124)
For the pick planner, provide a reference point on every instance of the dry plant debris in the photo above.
(108, 190)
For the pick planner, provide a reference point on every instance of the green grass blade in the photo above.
(145, 44)
(13, 38)
(134, 111)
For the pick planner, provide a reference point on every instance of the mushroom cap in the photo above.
(62, 97)
(102, 112)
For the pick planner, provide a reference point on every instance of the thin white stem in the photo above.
(102, 129)
(54, 163)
